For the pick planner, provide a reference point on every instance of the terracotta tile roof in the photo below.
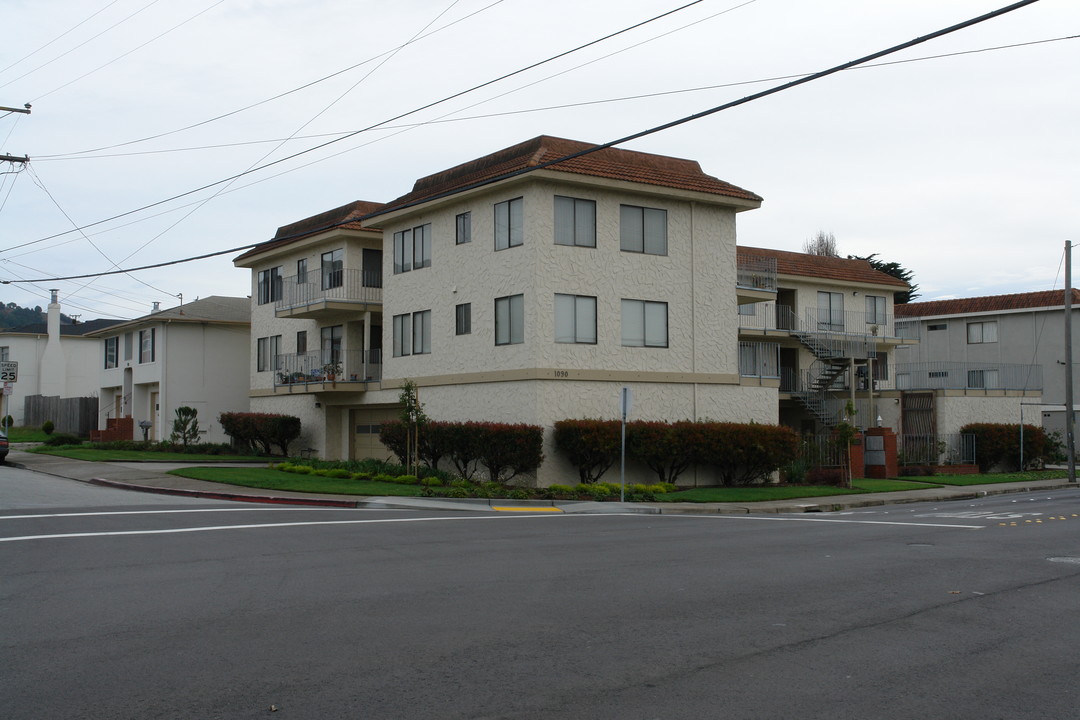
(819, 266)
(988, 303)
(612, 163)
(346, 216)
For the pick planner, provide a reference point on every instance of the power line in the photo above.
(545, 108)
(66, 32)
(674, 123)
(357, 132)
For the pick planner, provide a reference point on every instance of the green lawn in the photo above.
(991, 478)
(26, 434)
(789, 492)
(94, 455)
(268, 479)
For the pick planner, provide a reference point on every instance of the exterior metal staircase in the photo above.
(834, 351)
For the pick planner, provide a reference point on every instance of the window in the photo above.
(112, 350)
(333, 269)
(269, 285)
(982, 332)
(330, 341)
(301, 342)
(146, 345)
(268, 353)
(575, 222)
(463, 231)
(830, 311)
(5, 353)
(937, 326)
(412, 333)
(875, 310)
(128, 345)
(982, 379)
(750, 309)
(412, 249)
(644, 323)
(301, 270)
(510, 320)
(903, 381)
(643, 230)
(463, 319)
(509, 224)
(575, 319)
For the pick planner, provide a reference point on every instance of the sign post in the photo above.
(9, 373)
(625, 400)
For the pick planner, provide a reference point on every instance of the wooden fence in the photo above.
(77, 415)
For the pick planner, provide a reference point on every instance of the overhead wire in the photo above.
(366, 129)
(70, 30)
(620, 141)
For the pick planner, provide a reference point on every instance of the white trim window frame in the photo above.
(575, 319)
(875, 309)
(463, 228)
(982, 332)
(112, 352)
(463, 319)
(510, 320)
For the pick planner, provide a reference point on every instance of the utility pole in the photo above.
(1070, 446)
(25, 110)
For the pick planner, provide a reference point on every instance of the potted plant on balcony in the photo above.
(331, 370)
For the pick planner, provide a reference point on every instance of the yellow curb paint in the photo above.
(525, 509)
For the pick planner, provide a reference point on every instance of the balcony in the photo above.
(325, 293)
(768, 317)
(759, 360)
(967, 376)
(755, 278)
(343, 371)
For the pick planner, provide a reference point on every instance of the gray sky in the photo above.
(965, 169)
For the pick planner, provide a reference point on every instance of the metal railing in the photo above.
(771, 316)
(941, 449)
(759, 359)
(755, 272)
(318, 285)
(343, 366)
(944, 375)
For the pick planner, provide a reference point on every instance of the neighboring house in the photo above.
(55, 360)
(193, 355)
(529, 298)
(1008, 348)
(829, 329)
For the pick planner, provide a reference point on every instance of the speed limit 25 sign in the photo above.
(9, 371)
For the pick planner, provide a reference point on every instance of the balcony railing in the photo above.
(967, 376)
(343, 366)
(755, 272)
(330, 284)
(770, 316)
(759, 359)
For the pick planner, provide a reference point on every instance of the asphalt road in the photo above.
(122, 605)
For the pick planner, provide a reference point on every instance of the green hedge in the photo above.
(261, 430)
(506, 450)
(998, 445)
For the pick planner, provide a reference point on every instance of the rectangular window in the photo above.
(643, 230)
(330, 345)
(982, 332)
(262, 354)
(644, 323)
(421, 332)
(982, 379)
(463, 231)
(301, 342)
(830, 311)
(463, 319)
(412, 249)
(5, 353)
(129, 345)
(333, 269)
(937, 326)
(275, 352)
(301, 270)
(402, 335)
(509, 224)
(575, 222)
(575, 319)
(112, 350)
(510, 320)
(903, 381)
(875, 310)
(146, 345)
(749, 309)
(269, 285)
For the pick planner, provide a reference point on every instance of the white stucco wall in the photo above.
(78, 377)
(953, 412)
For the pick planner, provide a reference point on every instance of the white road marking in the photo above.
(274, 525)
(833, 520)
(167, 512)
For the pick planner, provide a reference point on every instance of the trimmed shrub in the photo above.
(261, 430)
(394, 435)
(63, 439)
(592, 446)
(508, 450)
(744, 453)
(666, 448)
(47, 427)
(998, 444)
(824, 476)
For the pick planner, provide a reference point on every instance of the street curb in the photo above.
(211, 495)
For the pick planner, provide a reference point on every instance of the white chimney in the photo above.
(53, 380)
(156, 307)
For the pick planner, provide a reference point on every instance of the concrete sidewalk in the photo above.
(152, 477)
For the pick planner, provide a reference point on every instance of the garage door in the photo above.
(366, 425)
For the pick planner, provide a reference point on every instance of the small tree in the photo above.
(412, 415)
(824, 243)
(185, 427)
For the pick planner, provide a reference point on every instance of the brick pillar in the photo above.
(858, 466)
(891, 468)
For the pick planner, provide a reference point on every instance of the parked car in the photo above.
(3, 446)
